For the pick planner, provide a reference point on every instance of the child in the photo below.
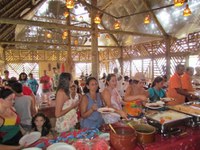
(42, 124)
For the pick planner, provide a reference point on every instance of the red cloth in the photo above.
(188, 141)
(26, 90)
(45, 80)
(62, 67)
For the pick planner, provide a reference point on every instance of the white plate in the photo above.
(167, 99)
(30, 138)
(61, 146)
(154, 105)
(105, 110)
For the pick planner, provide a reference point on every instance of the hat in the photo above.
(139, 76)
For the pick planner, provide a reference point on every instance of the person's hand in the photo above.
(123, 114)
(94, 107)
(194, 97)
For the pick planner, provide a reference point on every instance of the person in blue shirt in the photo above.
(156, 92)
(32, 83)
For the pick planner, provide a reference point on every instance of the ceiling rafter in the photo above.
(48, 44)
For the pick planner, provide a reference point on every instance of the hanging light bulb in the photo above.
(49, 36)
(178, 3)
(66, 14)
(147, 19)
(117, 25)
(76, 42)
(70, 4)
(65, 33)
(187, 11)
(97, 19)
(64, 37)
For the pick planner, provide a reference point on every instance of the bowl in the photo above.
(125, 137)
(145, 133)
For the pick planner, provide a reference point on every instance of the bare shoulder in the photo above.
(105, 92)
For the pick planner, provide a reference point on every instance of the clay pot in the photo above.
(125, 138)
(145, 133)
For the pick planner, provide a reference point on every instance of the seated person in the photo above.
(42, 124)
(91, 101)
(156, 92)
(10, 131)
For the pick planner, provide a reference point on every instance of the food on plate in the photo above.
(105, 110)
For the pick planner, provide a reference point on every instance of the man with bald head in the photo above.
(175, 88)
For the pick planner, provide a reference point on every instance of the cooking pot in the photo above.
(145, 133)
(124, 138)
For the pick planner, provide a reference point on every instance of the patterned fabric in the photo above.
(9, 130)
(134, 108)
(67, 121)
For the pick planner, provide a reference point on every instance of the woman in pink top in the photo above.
(112, 99)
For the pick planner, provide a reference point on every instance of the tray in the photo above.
(165, 121)
(189, 108)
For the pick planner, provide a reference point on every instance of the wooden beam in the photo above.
(49, 44)
(41, 24)
(130, 32)
(94, 50)
(64, 26)
(147, 5)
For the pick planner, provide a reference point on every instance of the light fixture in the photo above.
(187, 11)
(178, 3)
(70, 4)
(65, 33)
(76, 42)
(66, 14)
(97, 19)
(147, 19)
(64, 37)
(49, 35)
(117, 25)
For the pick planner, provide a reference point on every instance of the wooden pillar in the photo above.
(107, 66)
(187, 61)
(142, 66)
(4, 59)
(131, 68)
(69, 52)
(167, 43)
(152, 69)
(95, 54)
(121, 61)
